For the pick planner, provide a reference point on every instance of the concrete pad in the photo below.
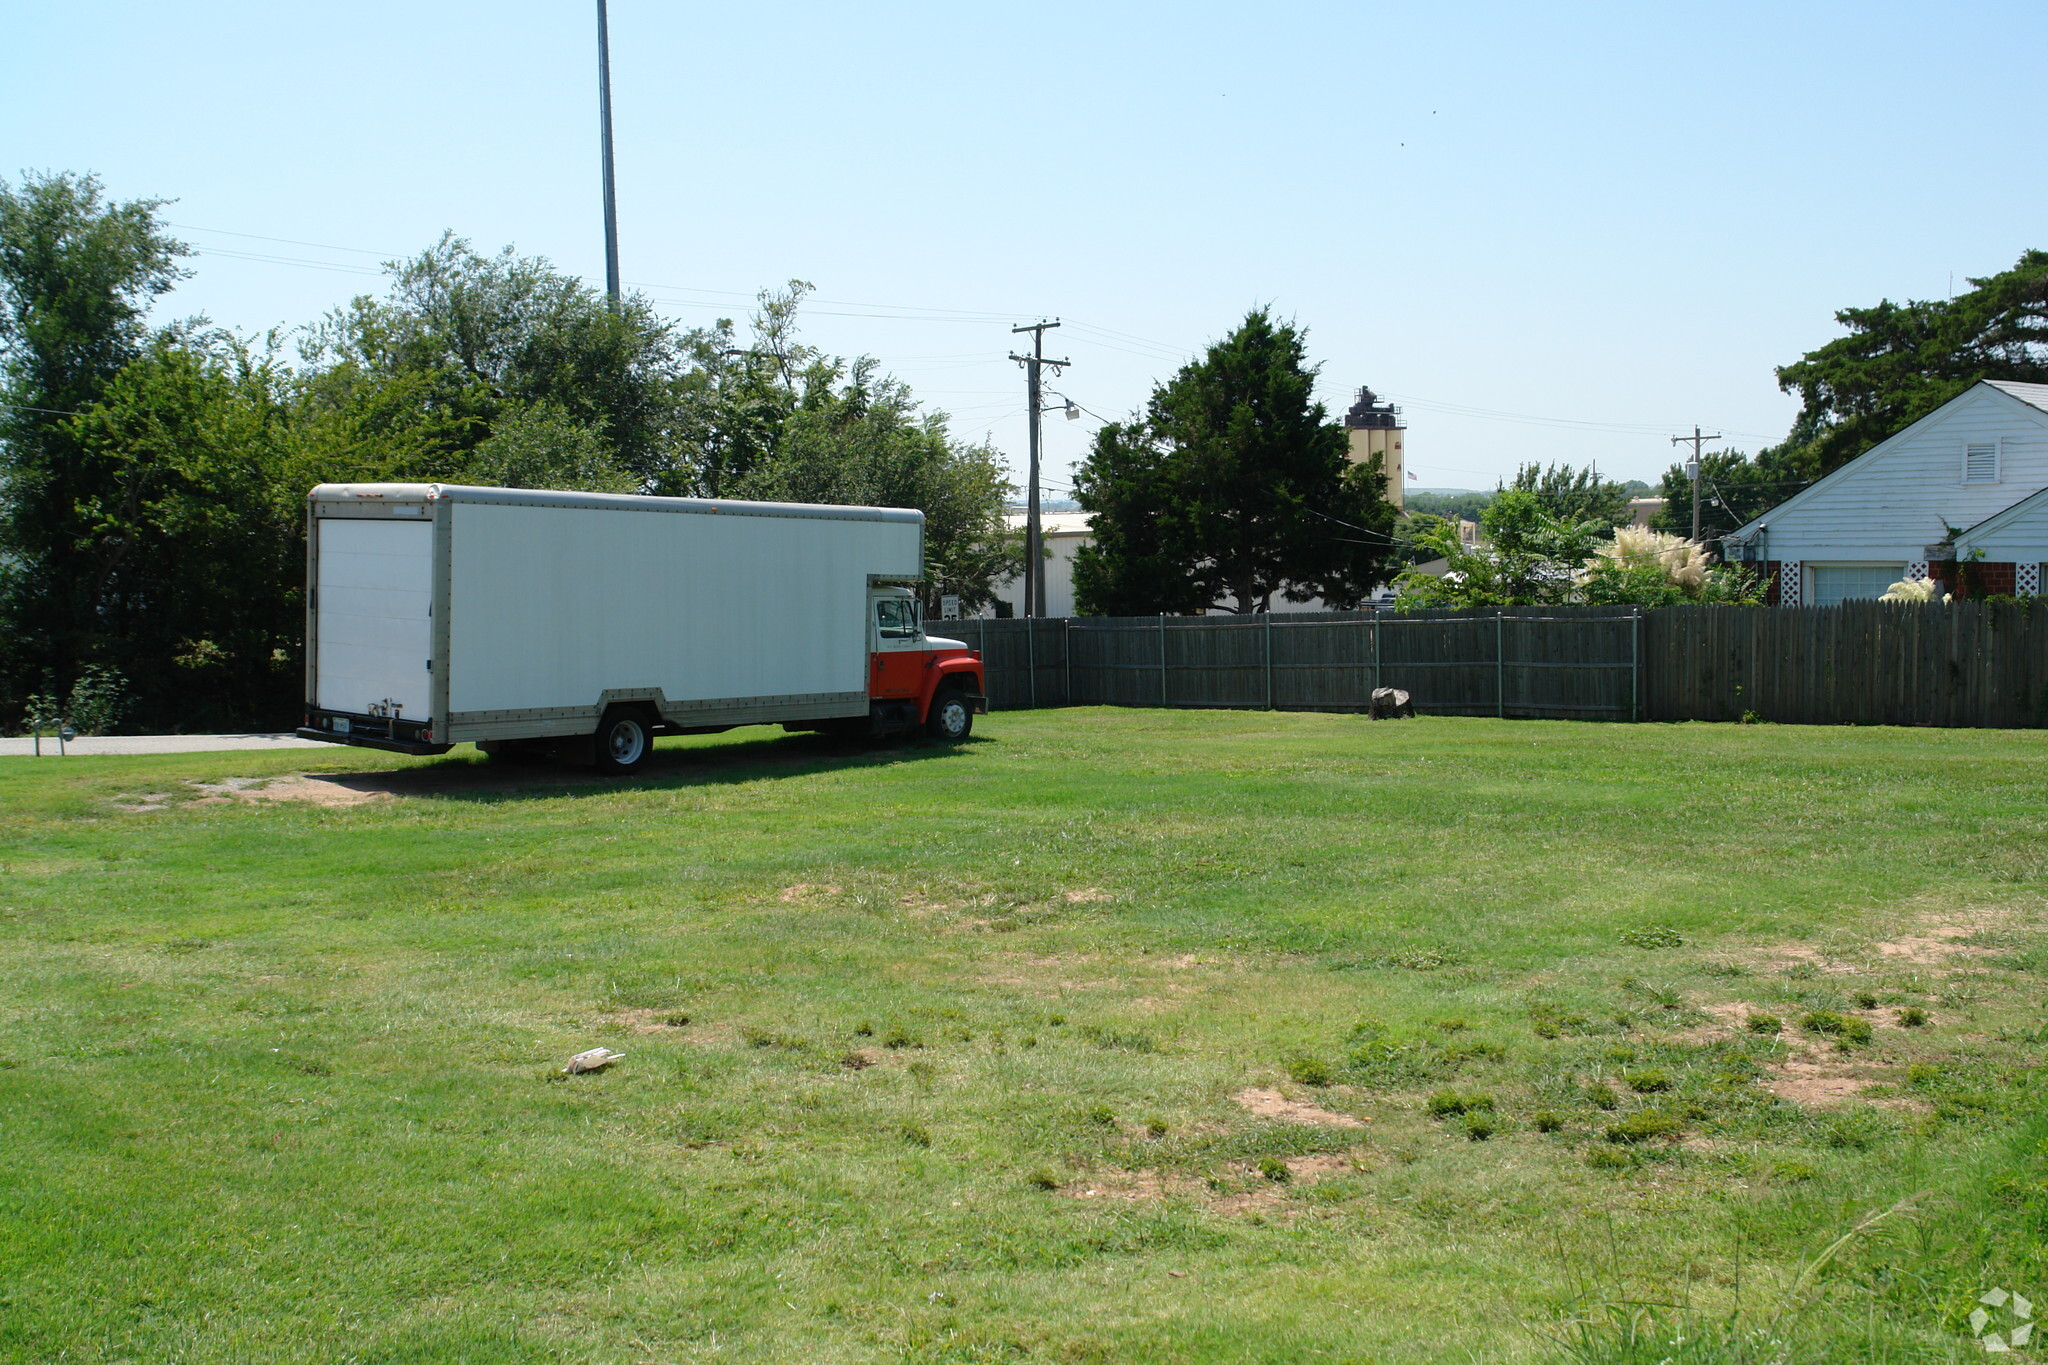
(100, 746)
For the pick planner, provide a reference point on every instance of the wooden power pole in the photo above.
(1034, 559)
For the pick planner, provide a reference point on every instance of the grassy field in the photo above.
(1108, 1036)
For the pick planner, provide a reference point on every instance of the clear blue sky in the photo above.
(1614, 219)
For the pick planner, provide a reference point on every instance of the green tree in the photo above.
(78, 276)
(780, 420)
(1530, 557)
(1902, 361)
(1575, 494)
(1233, 489)
(465, 339)
(190, 535)
(1734, 489)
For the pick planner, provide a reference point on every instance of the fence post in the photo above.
(1067, 657)
(1269, 661)
(1378, 676)
(1162, 658)
(1635, 664)
(1500, 664)
(1031, 655)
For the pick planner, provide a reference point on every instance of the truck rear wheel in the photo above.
(951, 719)
(625, 736)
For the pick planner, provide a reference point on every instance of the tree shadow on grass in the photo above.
(468, 777)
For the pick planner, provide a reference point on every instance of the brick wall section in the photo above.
(1771, 584)
(1991, 579)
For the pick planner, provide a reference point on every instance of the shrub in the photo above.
(863, 1029)
(1454, 1024)
(1642, 1126)
(1311, 1071)
(1648, 1081)
(1622, 1054)
(1156, 1127)
(1548, 1120)
(1767, 1025)
(1601, 1096)
(1837, 1026)
(1459, 1053)
(1792, 1171)
(1607, 1159)
(899, 1037)
(756, 1036)
(1101, 1115)
(1382, 1063)
(1912, 1016)
(1275, 1170)
(1865, 1000)
(1449, 1103)
(1042, 1179)
(1480, 1126)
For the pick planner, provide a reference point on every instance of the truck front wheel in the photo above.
(951, 719)
(624, 739)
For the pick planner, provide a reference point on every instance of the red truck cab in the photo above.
(919, 680)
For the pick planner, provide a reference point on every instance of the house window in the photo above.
(1834, 583)
(1980, 462)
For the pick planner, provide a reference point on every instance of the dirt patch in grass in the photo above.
(803, 892)
(1301, 1170)
(1048, 974)
(650, 1021)
(1084, 895)
(142, 802)
(1271, 1104)
(1933, 946)
(312, 789)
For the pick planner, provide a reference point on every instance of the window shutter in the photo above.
(1980, 463)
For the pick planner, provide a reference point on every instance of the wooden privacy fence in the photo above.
(1974, 664)
(1557, 662)
(1859, 663)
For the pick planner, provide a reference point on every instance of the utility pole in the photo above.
(1034, 561)
(1693, 470)
(604, 111)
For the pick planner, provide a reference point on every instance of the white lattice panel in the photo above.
(2026, 580)
(1788, 584)
(1916, 570)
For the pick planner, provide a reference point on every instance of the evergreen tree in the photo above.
(1232, 490)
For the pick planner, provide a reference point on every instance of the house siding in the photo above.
(1906, 493)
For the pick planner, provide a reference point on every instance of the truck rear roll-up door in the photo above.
(372, 632)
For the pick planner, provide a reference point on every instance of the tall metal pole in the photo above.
(604, 111)
(1034, 558)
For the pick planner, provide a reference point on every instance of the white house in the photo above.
(1976, 466)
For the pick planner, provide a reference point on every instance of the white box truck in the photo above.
(589, 623)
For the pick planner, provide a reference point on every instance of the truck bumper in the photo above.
(396, 746)
(390, 733)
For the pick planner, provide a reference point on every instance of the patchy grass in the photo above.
(1108, 1036)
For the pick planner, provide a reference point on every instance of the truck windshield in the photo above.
(896, 618)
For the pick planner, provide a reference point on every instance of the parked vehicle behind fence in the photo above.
(586, 624)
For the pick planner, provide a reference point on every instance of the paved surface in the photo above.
(89, 747)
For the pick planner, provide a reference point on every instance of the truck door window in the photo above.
(897, 620)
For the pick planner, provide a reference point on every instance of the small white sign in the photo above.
(949, 607)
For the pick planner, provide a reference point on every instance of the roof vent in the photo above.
(1980, 463)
